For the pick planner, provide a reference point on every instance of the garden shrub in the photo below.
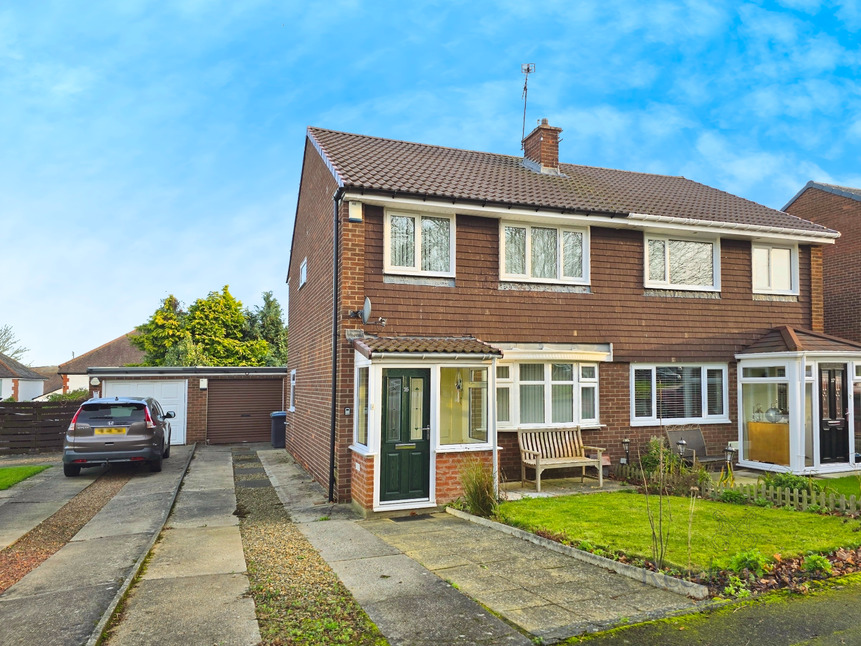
(751, 560)
(790, 481)
(816, 563)
(476, 478)
(732, 496)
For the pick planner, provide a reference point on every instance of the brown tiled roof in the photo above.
(17, 370)
(788, 339)
(370, 346)
(393, 167)
(54, 380)
(113, 354)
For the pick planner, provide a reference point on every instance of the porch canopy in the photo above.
(416, 347)
(799, 399)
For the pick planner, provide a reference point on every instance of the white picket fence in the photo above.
(800, 499)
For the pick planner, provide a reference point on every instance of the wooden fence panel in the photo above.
(34, 427)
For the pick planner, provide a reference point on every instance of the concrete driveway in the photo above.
(63, 600)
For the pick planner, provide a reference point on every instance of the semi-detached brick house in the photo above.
(523, 293)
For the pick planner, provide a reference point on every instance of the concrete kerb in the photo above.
(96, 635)
(654, 579)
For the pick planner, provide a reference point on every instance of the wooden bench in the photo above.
(556, 448)
(695, 447)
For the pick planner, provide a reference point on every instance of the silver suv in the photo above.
(117, 429)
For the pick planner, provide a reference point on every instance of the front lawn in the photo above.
(847, 485)
(14, 475)
(619, 523)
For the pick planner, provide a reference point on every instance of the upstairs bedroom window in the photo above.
(675, 263)
(544, 254)
(775, 269)
(419, 244)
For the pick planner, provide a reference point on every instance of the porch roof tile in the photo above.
(789, 339)
(376, 346)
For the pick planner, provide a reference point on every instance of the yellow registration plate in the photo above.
(109, 431)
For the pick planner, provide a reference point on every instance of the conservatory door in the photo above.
(834, 422)
(405, 450)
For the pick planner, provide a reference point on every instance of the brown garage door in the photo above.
(239, 409)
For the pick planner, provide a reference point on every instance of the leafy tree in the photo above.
(215, 331)
(72, 396)
(267, 323)
(10, 345)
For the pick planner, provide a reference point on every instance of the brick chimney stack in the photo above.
(541, 146)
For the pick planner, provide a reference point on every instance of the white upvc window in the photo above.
(546, 394)
(292, 390)
(774, 269)
(678, 394)
(419, 244)
(303, 273)
(543, 254)
(679, 263)
(361, 405)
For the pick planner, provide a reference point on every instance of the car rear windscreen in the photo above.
(118, 413)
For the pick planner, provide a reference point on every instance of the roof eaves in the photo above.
(822, 233)
(326, 159)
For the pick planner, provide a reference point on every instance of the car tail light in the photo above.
(149, 422)
(74, 420)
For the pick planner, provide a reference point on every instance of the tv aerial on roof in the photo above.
(527, 69)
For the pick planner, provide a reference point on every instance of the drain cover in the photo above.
(406, 519)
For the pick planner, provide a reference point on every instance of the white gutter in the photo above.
(639, 221)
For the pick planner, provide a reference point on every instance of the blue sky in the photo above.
(151, 148)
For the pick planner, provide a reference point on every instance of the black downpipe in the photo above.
(335, 319)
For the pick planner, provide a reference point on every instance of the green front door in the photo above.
(405, 450)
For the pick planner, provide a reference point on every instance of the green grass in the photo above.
(847, 485)
(14, 475)
(618, 522)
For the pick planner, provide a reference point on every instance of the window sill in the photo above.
(678, 422)
(361, 450)
(585, 427)
(776, 298)
(530, 286)
(430, 281)
(464, 448)
(682, 293)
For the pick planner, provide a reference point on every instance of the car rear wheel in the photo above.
(155, 465)
(71, 470)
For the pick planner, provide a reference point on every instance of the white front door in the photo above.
(170, 394)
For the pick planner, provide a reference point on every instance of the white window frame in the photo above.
(666, 284)
(292, 390)
(357, 406)
(303, 273)
(653, 420)
(560, 230)
(579, 383)
(416, 269)
(793, 269)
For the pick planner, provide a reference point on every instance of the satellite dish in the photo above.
(366, 311)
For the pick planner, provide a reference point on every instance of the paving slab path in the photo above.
(64, 600)
(194, 589)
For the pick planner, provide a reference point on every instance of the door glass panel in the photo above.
(416, 408)
(393, 410)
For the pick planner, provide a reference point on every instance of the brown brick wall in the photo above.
(641, 328)
(448, 466)
(362, 480)
(841, 262)
(309, 318)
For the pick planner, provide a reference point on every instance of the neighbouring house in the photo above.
(53, 384)
(442, 299)
(19, 382)
(836, 207)
(115, 354)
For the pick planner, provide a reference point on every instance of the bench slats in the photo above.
(556, 448)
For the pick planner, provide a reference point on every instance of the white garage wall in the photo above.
(171, 394)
